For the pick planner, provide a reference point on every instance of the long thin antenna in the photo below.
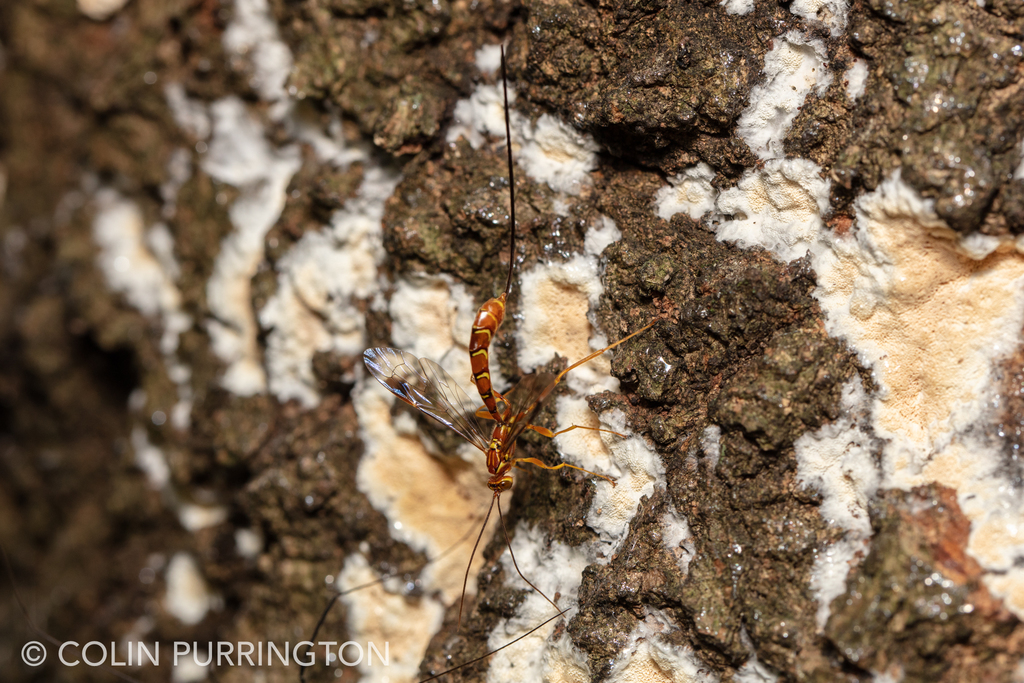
(323, 616)
(493, 652)
(469, 565)
(330, 604)
(516, 564)
(511, 178)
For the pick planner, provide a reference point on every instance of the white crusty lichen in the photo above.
(188, 598)
(627, 459)
(794, 67)
(488, 58)
(555, 569)
(688, 192)
(191, 115)
(320, 282)
(931, 312)
(832, 13)
(738, 6)
(253, 38)
(637, 470)
(555, 153)
(138, 262)
(838, 461)
(648, 657)
(150, 458)
(100, 10)
(481, 116)
(777, 207)
(549, 150)
(857, 78)
(241, 156)
(927, 317)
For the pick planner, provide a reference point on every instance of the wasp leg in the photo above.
(595, 354)
(538, 463)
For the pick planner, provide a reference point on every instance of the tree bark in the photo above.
(210, 209)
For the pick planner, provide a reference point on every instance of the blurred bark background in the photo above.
(133, 453)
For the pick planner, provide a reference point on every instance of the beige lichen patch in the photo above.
(649, 659)
(931, 319)
(557, 316)
(642, 668)
(1010, 587)
(430, 504)
(779, 195)
(997, 527)
(932, 322)
(379, 616)
(994, 539)
(946, 312)
(566, 664)
(556, 300)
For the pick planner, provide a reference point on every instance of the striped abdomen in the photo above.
(488, 318)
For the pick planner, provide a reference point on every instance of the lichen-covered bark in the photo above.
(951, 114)
(739, 367)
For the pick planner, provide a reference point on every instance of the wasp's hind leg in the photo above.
(545, 466)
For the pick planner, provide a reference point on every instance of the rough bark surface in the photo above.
(741, 341)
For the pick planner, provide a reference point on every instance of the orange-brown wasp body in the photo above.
(493, 427)
(492, 313)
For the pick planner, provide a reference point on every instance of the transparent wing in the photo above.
(426, 386)
(524, 399)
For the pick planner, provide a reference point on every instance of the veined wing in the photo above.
(426, 386)
(524, 400)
